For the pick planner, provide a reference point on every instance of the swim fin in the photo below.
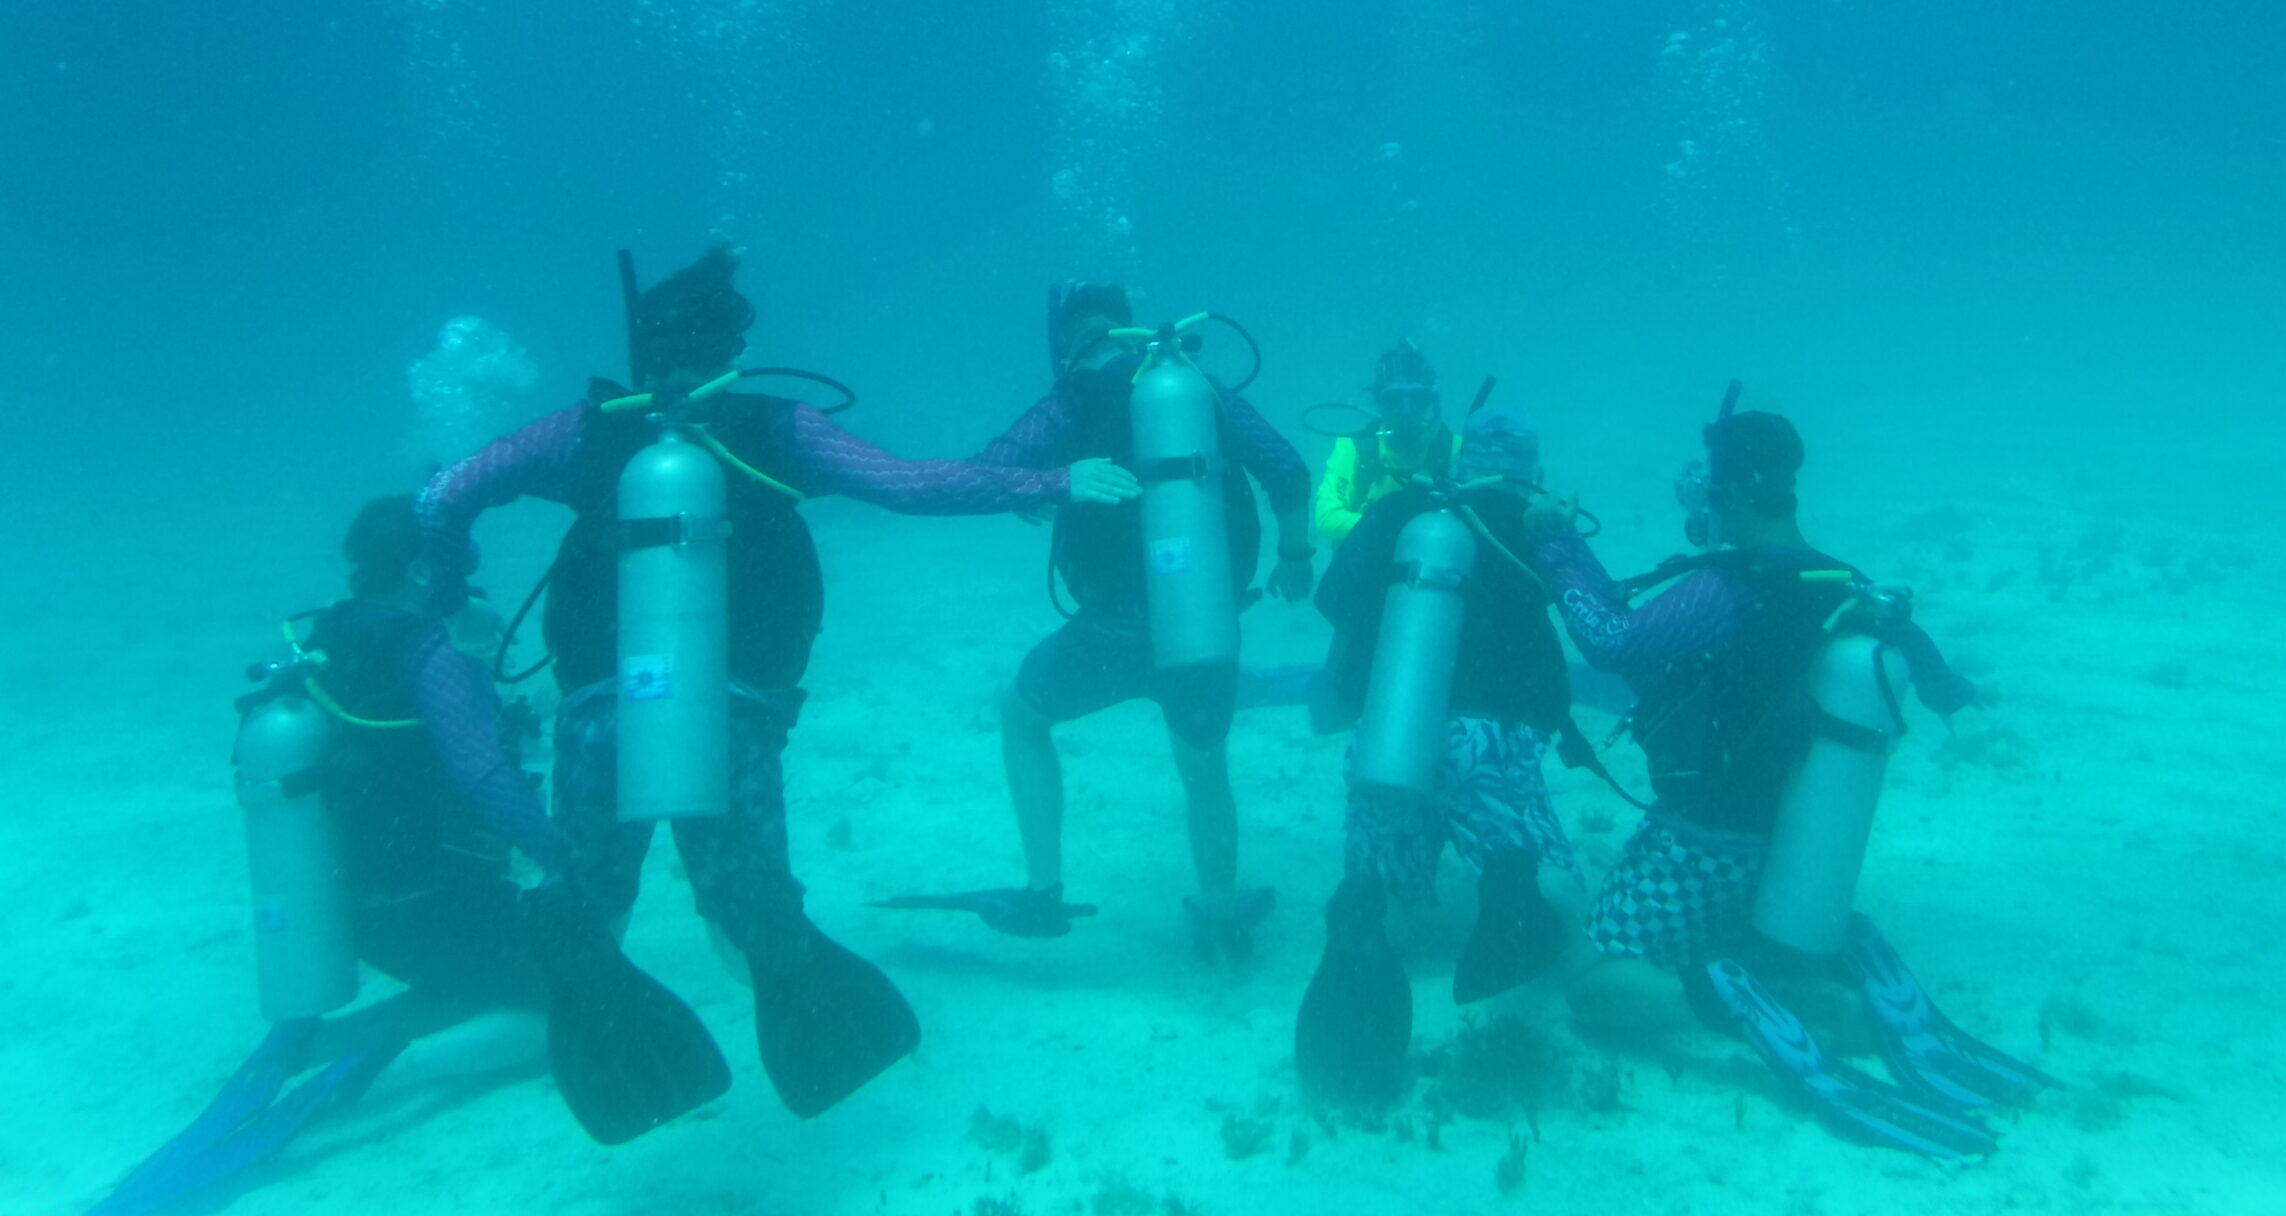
(1356, 1021)
(826, 1020)
(1920, 1044)
(628, 1055)
(1852, 1102)
(1224, 926)
(1517, 933)
(1015, 911)
(247, 1122)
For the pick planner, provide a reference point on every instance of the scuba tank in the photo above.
(1178, 457)
(1825, 813)
(305, 953)
(1401, 732)
(674, 633)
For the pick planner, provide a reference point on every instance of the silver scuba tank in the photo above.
(674, 634)
(305, 951)
(1186, 560)
(1825, 814)
(1401, 732)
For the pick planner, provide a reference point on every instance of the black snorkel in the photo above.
(630, 295)
(1483, 394)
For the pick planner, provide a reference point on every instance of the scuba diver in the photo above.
(681, 611)
(382, 804)
(1410, 438)
(1457, 683)
(1158, 583)
(1767, 682)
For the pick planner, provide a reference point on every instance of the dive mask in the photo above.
(1691, 493)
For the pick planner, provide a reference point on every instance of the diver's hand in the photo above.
(1098, 480)
(1552, 511)
(1291, 578)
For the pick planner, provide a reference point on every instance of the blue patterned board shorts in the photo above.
(741, 851)
(1490, 795)
(1678, 893)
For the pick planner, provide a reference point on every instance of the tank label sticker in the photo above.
(270, 916)
(647, 677)
(1170, 556)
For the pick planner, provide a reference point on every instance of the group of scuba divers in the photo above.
(384, 799)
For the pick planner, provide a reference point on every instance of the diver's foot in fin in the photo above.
(1224, 925)
(628, 1055)
(1921, 1045)
(1852, 1102)
(249, 1091)
(1015, 911)
(826, 1020)
(1356, 1023)
(1517, 935)
(195, 1166)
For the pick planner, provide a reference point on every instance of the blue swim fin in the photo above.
(243, 1125)
(1921, 1045)
(1852, 1102)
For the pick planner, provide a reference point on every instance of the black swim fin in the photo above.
(1015, 911)
(1921, 1045)
(1356, 1023)
(826, 1020)
(1517, 935)
(1224, 927)
(1853, 1103)
(628, 1054)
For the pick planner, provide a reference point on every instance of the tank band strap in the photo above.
(1198, 466)
(1849, 734)
(1433, 578)
(306, 781)
(669, 532)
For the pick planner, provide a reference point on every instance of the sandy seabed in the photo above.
(2087, 873)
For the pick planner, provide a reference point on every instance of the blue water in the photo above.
(2025, 260)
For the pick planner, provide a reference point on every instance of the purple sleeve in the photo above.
(535, 460)
(1263, 452)
(462, 716)
(1035, 441)
(837, 462)
(1638, 643)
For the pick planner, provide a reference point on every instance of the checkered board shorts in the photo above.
(1675, 893)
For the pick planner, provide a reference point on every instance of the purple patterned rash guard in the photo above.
(1046, 437)
(539, 460)
(454, 693)
(461, 715)
(1700, 614)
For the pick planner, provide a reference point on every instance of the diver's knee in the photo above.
(1018, 716)
(1628, 998)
